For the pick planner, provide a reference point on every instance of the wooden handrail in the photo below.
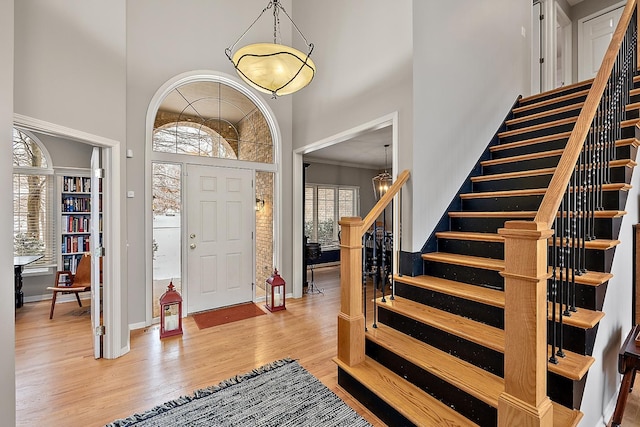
(385, 200)
(351, 322)
(560, 180)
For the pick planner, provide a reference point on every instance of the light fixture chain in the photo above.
(294, 25)
(230, 48)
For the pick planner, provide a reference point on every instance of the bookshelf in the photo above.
(75, 219)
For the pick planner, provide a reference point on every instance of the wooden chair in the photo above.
(69, 283)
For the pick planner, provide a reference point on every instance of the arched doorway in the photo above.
(204, 129)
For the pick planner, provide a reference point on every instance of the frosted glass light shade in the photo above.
(274, 68)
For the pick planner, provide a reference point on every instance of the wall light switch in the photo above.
(129, 153)
(131, 194)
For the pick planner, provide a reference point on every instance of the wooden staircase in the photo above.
(436, 353)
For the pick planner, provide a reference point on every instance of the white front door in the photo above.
(219, 237)
(594, 36)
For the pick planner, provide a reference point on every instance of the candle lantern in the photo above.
(170, 313)
(275, 292)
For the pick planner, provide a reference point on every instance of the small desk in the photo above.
(628, 364)
(18, 265)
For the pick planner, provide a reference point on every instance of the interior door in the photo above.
(594, 36)
(220, 225)
(96, 253)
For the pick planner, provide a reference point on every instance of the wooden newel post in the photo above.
(524, 401)
(351, 317)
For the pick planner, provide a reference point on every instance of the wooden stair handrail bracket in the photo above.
(351, 323)
(524, 401)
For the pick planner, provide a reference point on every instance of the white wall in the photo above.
(70, 58)
(7, 306)
(363, 54)
(465, 81)
(160, 47)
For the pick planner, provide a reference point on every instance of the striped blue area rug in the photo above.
(281, 393)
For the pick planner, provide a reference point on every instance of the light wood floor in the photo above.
(59, 383)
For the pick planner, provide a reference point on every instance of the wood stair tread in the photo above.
(479, 294)
(531, 141)
(533, 128)
(599, 244)
(466, 260)
(590, 278)
(583, 318)
(523, 214)
(540, 172)
(522, 157)
(408, 399)
(546, 113)
(471, 379)
(573, 366)
(558, 90)
(616, 186)
(551, 101)
(421, 408)
(509, 175)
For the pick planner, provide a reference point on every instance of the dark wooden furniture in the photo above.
(18, 265)
(628, 365)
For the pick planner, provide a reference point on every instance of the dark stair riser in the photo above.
(478, 355)
(371, 401)
(576, 340)
(552, 106)
(540, 147)
(460, 273)
(465, 404)
(544, 119)
(553, 95)
(590, 297)
(493, 316)
(565, 391)
(611, 200)
(595, 259)
(605, 228)
(530, 134)
(621, 174)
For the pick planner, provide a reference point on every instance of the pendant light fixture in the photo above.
(383, 180)
(273, 67)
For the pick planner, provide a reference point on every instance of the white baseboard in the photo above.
(139, 325)
(61, 298)
(608, 412)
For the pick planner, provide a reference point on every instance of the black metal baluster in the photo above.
(391, 258)
(374, 270)
(552, 291)
(383, 254)
(364, 279)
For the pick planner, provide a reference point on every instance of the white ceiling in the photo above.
(573, 2)
(364, 151)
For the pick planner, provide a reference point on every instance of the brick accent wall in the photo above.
(264, 228)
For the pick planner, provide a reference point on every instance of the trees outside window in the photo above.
(324, 206)
(32, 200)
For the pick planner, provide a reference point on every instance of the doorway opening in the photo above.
(203, 130)
(367, 134)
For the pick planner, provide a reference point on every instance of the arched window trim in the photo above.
(48, 170)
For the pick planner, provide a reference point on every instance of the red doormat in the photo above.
(220, 316)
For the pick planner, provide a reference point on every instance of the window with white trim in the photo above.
(324, 206)
(33, 230)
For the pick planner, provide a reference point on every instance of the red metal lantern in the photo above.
(275, 292)
(170, 313)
